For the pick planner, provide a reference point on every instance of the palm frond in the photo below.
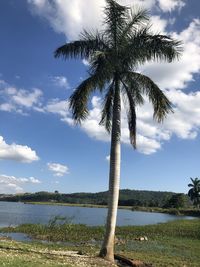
(135, 91)
(191, 194)
(115, 20)
(145, 46)
(132, 119)
(107, 111)
(132, 52)
(161, 47)
(129, 94)
(195, 183)
(83, 48)
(100, 66)
(79, 99)
(136, 18)
(161, 104)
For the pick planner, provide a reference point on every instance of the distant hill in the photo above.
(127, 198)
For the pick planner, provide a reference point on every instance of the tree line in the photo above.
(127, 197)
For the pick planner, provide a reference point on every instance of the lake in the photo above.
(14, 213)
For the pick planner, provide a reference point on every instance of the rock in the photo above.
(80, 252)
(142, 238)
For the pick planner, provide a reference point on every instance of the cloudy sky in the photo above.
(41, 149)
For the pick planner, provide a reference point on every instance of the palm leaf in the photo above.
(144, 46)
(115, 20)
(162, 106)
(161, 47)
(107, 111)
(136, 18)
(132, 119)
(100, 66)
(83, 48)
(129, 94)
(79, 99)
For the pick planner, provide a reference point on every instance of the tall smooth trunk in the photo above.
(107, 250)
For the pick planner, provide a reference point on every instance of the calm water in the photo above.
(12, 213)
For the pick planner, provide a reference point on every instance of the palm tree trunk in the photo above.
(107, 250)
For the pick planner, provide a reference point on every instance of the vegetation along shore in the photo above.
(174, 243)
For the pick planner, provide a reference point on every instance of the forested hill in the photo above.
(127, 198)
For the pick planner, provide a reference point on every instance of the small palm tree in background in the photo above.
(114, 54)
(194, 192)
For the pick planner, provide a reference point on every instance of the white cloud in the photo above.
(34, 180)
(58, 169)
(108, 158)
(184, 122)
(91, 125)
(158, 24)
(68, 120)
(178, 74)
(85, 62)
(170, 5)
(60, 81)
(70, 17)
(11, 184)
(7, 107)
(16, 152)
(26, 98)
(57, 106)
(147, 145)
(10, 90)
(19, 100)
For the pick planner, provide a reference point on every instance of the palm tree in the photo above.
(194, 192)
(114, 54)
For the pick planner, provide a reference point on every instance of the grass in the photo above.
(16, 254)
(175, 243)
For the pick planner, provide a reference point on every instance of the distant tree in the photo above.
(194, 192)
(114, 54)
(177, 201)
(153, 203)
(56, 192)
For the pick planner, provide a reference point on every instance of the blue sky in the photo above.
(41, 149)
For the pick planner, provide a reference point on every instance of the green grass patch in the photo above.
(81, 232)
(175, 244)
